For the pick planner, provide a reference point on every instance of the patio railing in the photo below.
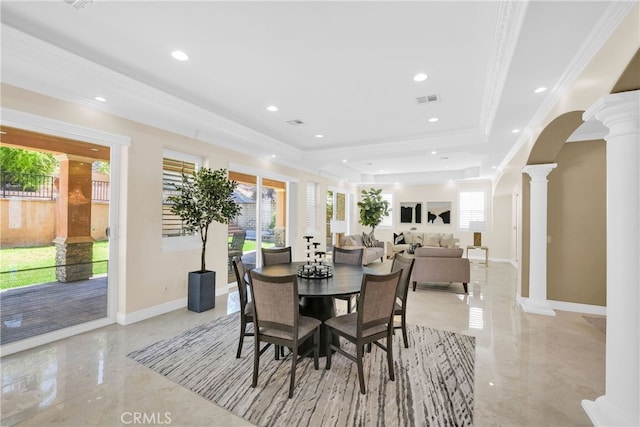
(30, 186)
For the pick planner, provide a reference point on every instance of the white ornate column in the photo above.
(537, 301)
(620, 406)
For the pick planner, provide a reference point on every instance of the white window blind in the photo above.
(472, 207)
(387, 221)
(172, 170)
(312, 192)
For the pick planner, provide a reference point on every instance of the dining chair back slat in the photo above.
(272, 256)
(347, 256)
(246, 309)
(404, 263)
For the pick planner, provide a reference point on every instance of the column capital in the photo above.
(620, 112)
(538, 173)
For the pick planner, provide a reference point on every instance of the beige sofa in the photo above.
(354, 241)
(408, 238)
(440, 265)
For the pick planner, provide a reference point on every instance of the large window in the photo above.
(472, 206)
(312, 194)
(387, 221)
(173, 166)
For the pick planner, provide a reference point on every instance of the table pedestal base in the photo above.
(321, 308)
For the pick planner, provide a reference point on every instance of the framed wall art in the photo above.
(438, 212)
(410, 212)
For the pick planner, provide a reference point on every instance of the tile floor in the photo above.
(531, 370)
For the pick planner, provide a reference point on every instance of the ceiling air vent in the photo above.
(294, 122)
(78, 4)
(427, 99)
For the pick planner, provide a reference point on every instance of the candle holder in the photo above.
(314, 267)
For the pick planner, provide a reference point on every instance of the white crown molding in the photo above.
(509, 23)
(142, 103)
(611, 19)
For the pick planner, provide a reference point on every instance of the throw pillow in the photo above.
(446, 241)
(369, 240)
(350, 241)
(432, 239)
(398, 239)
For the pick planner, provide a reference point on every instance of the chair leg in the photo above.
(464, 285)
(414, 285)
(277, 350)
(349, 305)
(243, 326)
(404, 329)
(256, 363)
(316, 348)
(390, 357)
(328, 349)
(359, 356)
(369, 346)
(294, 360)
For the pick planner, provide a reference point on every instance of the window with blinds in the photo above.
(312, 193)
(172, 170)
(472, 207)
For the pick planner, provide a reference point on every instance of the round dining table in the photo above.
(317, 295)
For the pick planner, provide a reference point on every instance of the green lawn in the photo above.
(29, 266)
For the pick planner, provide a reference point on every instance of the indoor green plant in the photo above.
(372, 208)
(205, 196)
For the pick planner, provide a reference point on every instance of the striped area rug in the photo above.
(433, 386)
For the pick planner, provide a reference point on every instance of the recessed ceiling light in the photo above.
(420, 77)
(493, 167)
(319, 136)
(272, 108)
(273, 156)
(179, 55)
(433, 119)
(344, 160)
(434, 152)
(540, 89)
(381, 170)
(100, 98)
(515, 131)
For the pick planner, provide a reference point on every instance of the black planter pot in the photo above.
(202, 291)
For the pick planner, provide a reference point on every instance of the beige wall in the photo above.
(577, 225)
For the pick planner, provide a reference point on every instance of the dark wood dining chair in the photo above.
(246, 306)
(347, 256)
(277, 320)
(271, 256)
(404, 263)
(372, 322)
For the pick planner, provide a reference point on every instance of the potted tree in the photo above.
(372, 208)
(205, 196)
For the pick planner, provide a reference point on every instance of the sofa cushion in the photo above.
(439, 252)
(369, 240)
(418, 239)
(432, 239)
(398, 239)
(446, 240)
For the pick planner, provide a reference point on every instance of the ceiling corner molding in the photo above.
(23, 53)
(610, 20)
(509, 23)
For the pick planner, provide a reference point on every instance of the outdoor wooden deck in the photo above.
(38, 309)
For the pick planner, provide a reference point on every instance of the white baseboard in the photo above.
(147, 313)
(579, 308)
